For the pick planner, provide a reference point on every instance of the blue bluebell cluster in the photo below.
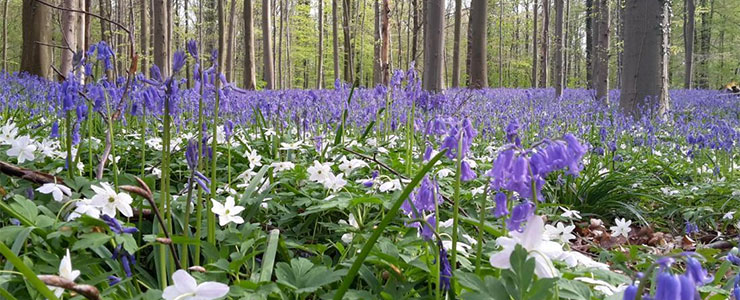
(422, 203)
(127, 259)
(670, 286)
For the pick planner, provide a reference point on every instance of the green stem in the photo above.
(482, 219)
(347, 281)
(214, 183)
(164, 205)
(456, 207)
(32, 278)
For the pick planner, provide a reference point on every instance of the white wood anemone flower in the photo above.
(57, 191)
(109, 201)
(66, 272)
(534, 241)
(227, 212)
(23, 149)
(622, 228)
(184, 287)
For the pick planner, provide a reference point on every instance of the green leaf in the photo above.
(574, 290)
(269, 257)
(27, 272)
(303, 277)
(90, 240)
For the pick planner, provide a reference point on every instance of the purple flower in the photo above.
(191, 154)
(668, 286)
(192, 47)
(126, 258)
(519, 215)
(202, 181)
(178, 61)
(696, 272)
(113, 280)
(445, 269)
(54, 130)
(501, 205)
(466, 173)
(512, 132)
(630, 293)
(117, 227)
(733, 259)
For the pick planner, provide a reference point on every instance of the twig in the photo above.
(89, 291)
(144, 191)
(87, 13)
(28, 174)
(53, 46)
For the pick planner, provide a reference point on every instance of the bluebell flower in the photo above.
(116, 227)
(502, 208)
(691, 227)
(202, 181)
(696, 272)
(445, 269)
(668, 286)
(113, 280)
(54, 130)
(192, 47)
(178, 61)
(519, 215)
(127, 259)
(731, 257)
(192, 154)
(466, 173)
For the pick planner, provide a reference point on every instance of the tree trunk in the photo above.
(469, 50)
(601, 50)
(346, 16)
(377, 75)
(159, 29)
(69, 36)
(534, 45)
(281, 79)
(644, 88)
(545, 46)
(36, 58)
(500, 44)
(250, 70)
(589, 43)
(335, 38)
(705, 36)
(456, 45)
(478, 42)
(559, 46)
(434, 14)
(221, 39)
(5, 37)
(688, 33)
(415, 30)
(229, 70)
(267, 60)
(288, 40)
(385, 46)
(143, 37)
(320, 58)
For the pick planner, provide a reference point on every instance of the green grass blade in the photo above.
(269, 259)
(27, 272)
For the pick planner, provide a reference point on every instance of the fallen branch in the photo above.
(28, 174)
(89, 291)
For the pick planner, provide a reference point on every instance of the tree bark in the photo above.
(559, 46)
(644, 84)
(478, 42)
(5, 37)
(348, 62)
(250, 70)
(534, 45)
(601, 49)
(335, 38)
(545, 46)
(500, 44)
(143, 37)
(377, 75)
(221, 39)
(456, 45)
(320, 58)
(688, 34)
(705, 36)
(385, 46)
(415, 30)
(69, 37)
(159, 30)
(281, 78)
(267, 60)
(589, 43)
(434, 14)
(36, 58)
(229, 70)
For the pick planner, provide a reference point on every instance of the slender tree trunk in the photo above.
(415, 31)
(644, 84)
(559, 47)
(346, 16)
(288, 40)
(705, 36)
(281, 78)
(5, 37)
(221, 38)
(589, 42)
(359, 19)
(69, 36)
(399, 11)
(500, 44)
(469, 51)
(688, 34)
(567, 45)
(434, 14)
(267, 60)
(159, 16)
(479, 41)
(335, 38)
(545, 46)
(456, 45)
(229, 70)
(143, 37)
(35, 58)
(250, 70)
(601, 47)
(377, 76)
(385, 47)
(320, 58)
(534, 45)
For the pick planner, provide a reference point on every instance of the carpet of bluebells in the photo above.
(188, 187)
